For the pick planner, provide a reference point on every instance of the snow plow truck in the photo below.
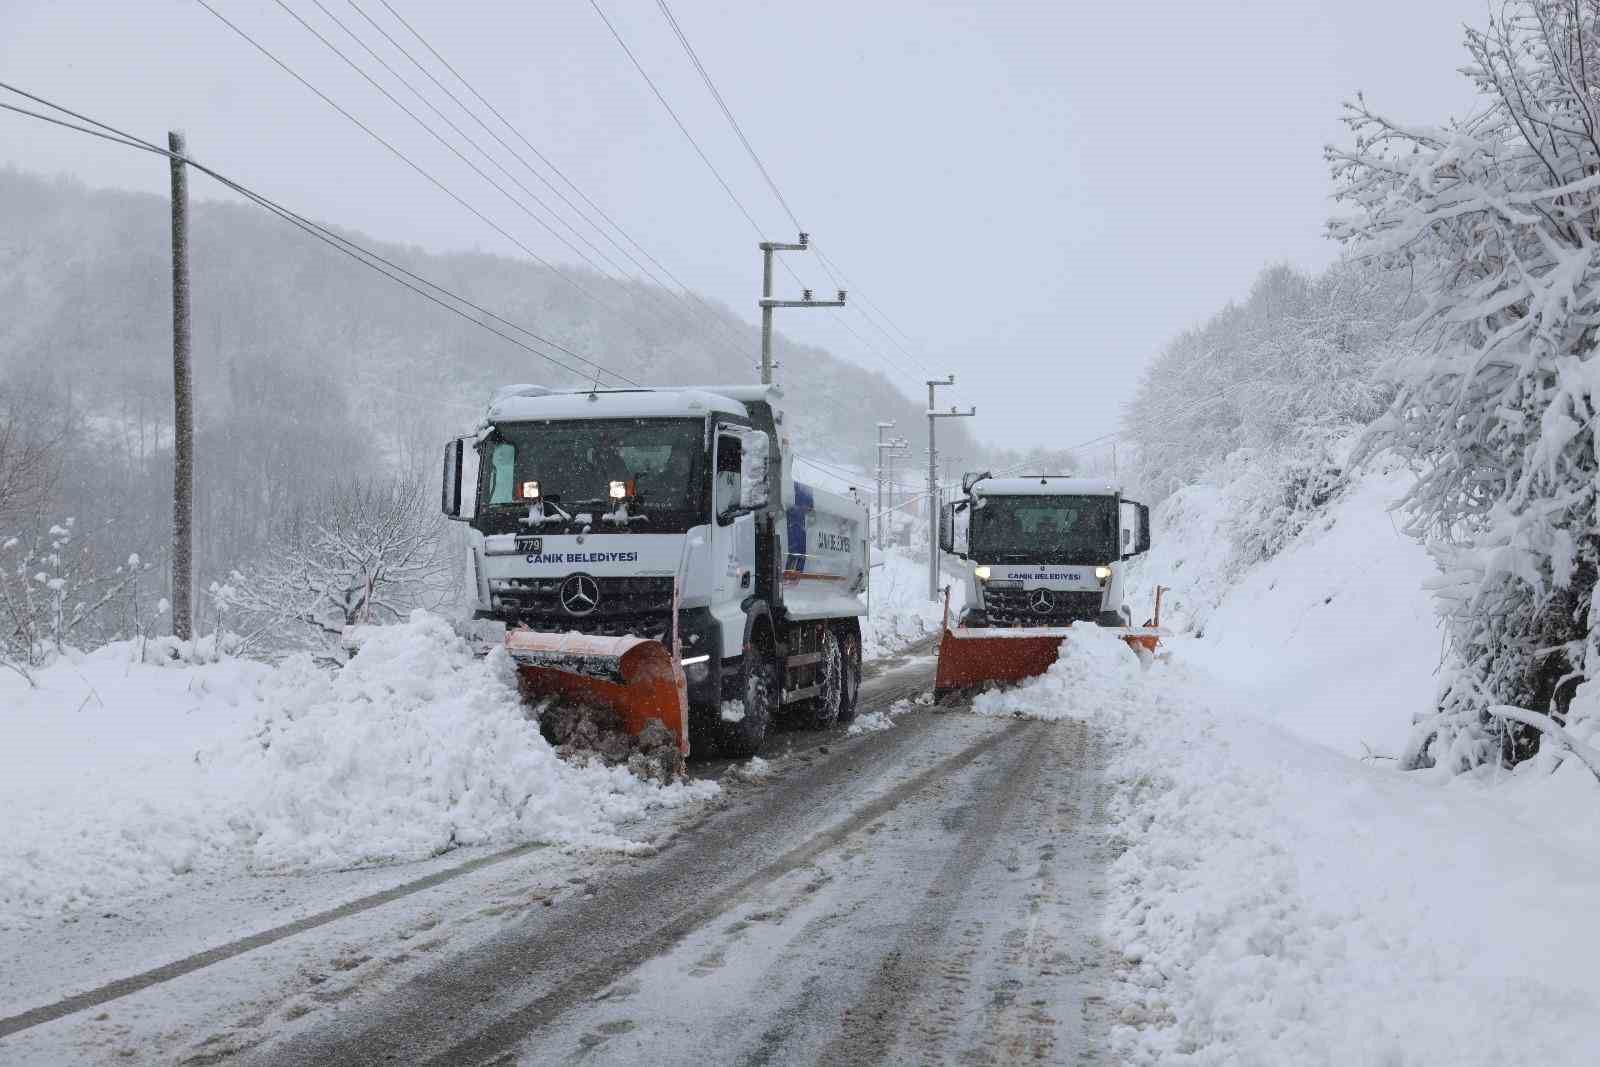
(649, 551)
(1047, 552)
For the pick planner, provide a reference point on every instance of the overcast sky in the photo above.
(1038, 192)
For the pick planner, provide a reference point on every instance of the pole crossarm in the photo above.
(768, 301)
(805, 303)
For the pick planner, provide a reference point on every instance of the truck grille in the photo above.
(623, 606)
(1012, 607)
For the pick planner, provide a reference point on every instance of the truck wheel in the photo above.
(850, 677)
(823, 709)
(758, 685)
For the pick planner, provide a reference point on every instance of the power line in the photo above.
(395, 151)
(772, 184)
(545, 160)
(464, 136)
(707, 159)
(705, 76)
(681, 127)
(402, 156)
(842, 281)
(704, 310)
(828, 268)
(351, 248)
(711, 166)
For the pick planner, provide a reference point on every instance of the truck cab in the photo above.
(1046, 551)
(669, 514)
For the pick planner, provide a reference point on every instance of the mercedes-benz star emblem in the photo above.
(1041, 601)
(580, 594)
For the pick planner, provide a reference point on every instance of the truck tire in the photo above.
(758, 686)
(822, 710)
(850, 689)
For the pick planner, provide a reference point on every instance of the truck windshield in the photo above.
(571, 464)
(1045, 529)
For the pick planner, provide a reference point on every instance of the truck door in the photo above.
(733, 536)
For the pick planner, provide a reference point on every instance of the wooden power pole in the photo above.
(182, 400)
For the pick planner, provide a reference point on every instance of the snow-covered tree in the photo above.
(1283, 371)
(360, 552)
(1497, 218)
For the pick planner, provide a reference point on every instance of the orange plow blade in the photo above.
(980, 654)
(636, 677)
(969, 657)
(972, 657)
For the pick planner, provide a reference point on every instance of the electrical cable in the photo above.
(684, 297)
(621, 272)
(831, 270)
(395, 151)
(340, 242)
(681, 127)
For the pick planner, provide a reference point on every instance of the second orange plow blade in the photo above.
(969, 657)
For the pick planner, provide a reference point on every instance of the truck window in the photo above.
(575, 461)
(1045, 529)
(730, 462)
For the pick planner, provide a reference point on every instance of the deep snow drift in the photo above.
(118, 775)
(1277, 903)
(1334, 637)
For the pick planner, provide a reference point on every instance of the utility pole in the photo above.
(890, 446)
(182, 399)
(768, 303)
(933, 480)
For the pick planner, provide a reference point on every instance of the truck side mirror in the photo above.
(450, 496)
(952, 531)
(1143, 543)
(458, 489)
(754, 471)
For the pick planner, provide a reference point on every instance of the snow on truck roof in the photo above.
(517, 403)
(1043, 485)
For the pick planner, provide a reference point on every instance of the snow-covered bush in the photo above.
(1276, 496)
(1497, 216)
(56, 590)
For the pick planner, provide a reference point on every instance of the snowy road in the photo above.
(923, 894)
(925, 891)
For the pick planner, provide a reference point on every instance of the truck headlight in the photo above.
(697, 667)
(981, 573)
(1103, 573)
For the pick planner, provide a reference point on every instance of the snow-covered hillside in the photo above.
(1334, 638)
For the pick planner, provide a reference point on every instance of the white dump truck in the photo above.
(1046, 552)
(650, 549)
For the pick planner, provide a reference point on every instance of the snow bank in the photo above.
(1276, 903)
(1334, 636)
(117, 775)
(901, 614)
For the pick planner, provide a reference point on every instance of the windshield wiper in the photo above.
(543, 516)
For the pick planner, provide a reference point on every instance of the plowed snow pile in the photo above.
(1275, 902)
(117, 775)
